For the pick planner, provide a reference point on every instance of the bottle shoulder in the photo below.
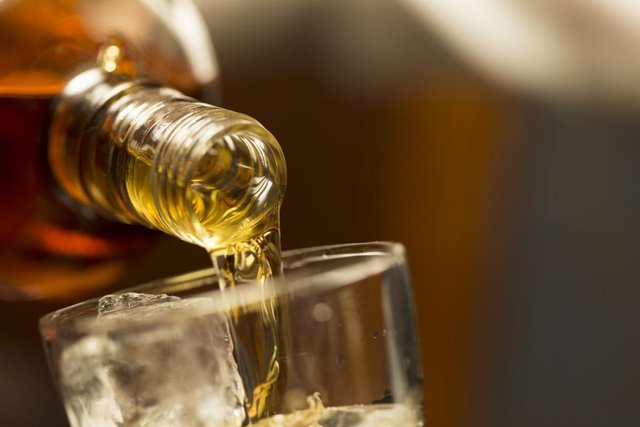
(45, 43)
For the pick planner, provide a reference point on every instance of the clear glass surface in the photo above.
(347, 347)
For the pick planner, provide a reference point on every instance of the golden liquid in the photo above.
(219, 216)
(257, 262)
(236, 219)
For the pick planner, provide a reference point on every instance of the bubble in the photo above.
(322, 312)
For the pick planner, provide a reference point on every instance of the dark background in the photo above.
(520, 216)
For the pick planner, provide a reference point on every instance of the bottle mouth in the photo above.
(219, 178)
(236, 185)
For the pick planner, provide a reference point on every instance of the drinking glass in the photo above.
(179, 351)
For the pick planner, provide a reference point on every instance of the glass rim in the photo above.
(377, 257)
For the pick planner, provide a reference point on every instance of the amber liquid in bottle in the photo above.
(51, 246)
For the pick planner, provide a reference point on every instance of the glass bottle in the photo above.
(95, 123)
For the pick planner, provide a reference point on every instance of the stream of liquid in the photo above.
(256, 262)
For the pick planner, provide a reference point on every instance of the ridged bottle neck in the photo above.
(138, 152)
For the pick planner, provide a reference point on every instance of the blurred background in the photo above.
(497, 141)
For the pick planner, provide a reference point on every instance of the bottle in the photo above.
(94, 127)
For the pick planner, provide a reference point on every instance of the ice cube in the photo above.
(154, 360)
(89, 397)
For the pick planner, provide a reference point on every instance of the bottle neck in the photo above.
(138, 152)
